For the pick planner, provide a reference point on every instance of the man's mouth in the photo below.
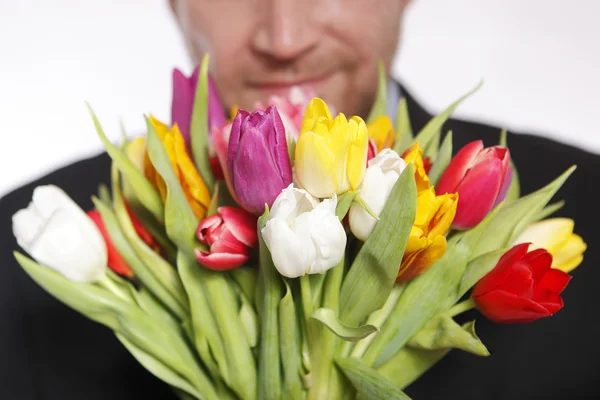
(282, 87)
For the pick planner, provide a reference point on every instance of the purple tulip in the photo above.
(257, 158)
(182, 106)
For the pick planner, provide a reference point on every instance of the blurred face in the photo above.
(263, 47)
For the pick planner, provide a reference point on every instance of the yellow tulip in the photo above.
(414, 154)
(331, 153)
(382, 132)
(195, 189)
(557, 237)
(427, 240)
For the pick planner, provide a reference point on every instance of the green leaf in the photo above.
(516, 215)
(223, 304)
(442, 332)
(514, 191)
(141, 269)
(420, 301)
(442, 161)
(367, 382)
(144, 190)
(104, 194)
(478, 268)
(329, 319)
(206, 337)
(434, 126)
(409, 364)
(199, 133)
(359, 200)
(433, 147)
(180, 220)
(376, 266)
(123, 317)
(404, 134)
(245, 277)
(380, 104)
(159, 267)
(549, 210)
(268, 298)
(343, 205)
(289, 347)
(249, 321)
(158, 369)
(214, 202)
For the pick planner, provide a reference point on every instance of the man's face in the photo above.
(263, 47)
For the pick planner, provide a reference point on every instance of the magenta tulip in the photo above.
(257, 159)
(478, 174)
(230, 234)
(182, 106)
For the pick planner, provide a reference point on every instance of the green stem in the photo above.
(306, 296)
(112, 287)
(326, 385)
(377, 319)
(461, 307)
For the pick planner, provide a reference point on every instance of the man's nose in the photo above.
(287, 28)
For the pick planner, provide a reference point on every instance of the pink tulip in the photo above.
(182, 106)
(372, 150)
(291, 109)
(230, 234)
(478, 175)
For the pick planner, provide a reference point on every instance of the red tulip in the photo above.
(522, 287)
(372, 150)
(230, 234)
(478, 175)
(427, 164)
(115, 261)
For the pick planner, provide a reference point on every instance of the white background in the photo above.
(540, 60)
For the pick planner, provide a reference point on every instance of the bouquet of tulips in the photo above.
(291, 254)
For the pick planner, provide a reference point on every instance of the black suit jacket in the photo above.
(48, 351)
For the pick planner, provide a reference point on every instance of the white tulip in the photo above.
(58, 234)
(382, 173)
(304, 235)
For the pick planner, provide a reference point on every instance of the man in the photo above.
(264, 47)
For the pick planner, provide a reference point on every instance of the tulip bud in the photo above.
(58, 234)
(182, 106)
(304, 235)
(230, 234)
(521, 288)
(331, 154)
(427, 239)
(556, 236)
(381, 175)
(382, 132)
(257, 159)
(478, 175)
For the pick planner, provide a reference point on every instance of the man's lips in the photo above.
(283, 86)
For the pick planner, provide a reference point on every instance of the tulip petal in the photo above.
(459, 166)
(550, 234)
(503, 307)
(555, 281)
(292, 255)
(477, 193)
(241, 224)
(497, 276)
(220, 261)
(539, 262)
(316, 109)
(417, 262)
(184, 89)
